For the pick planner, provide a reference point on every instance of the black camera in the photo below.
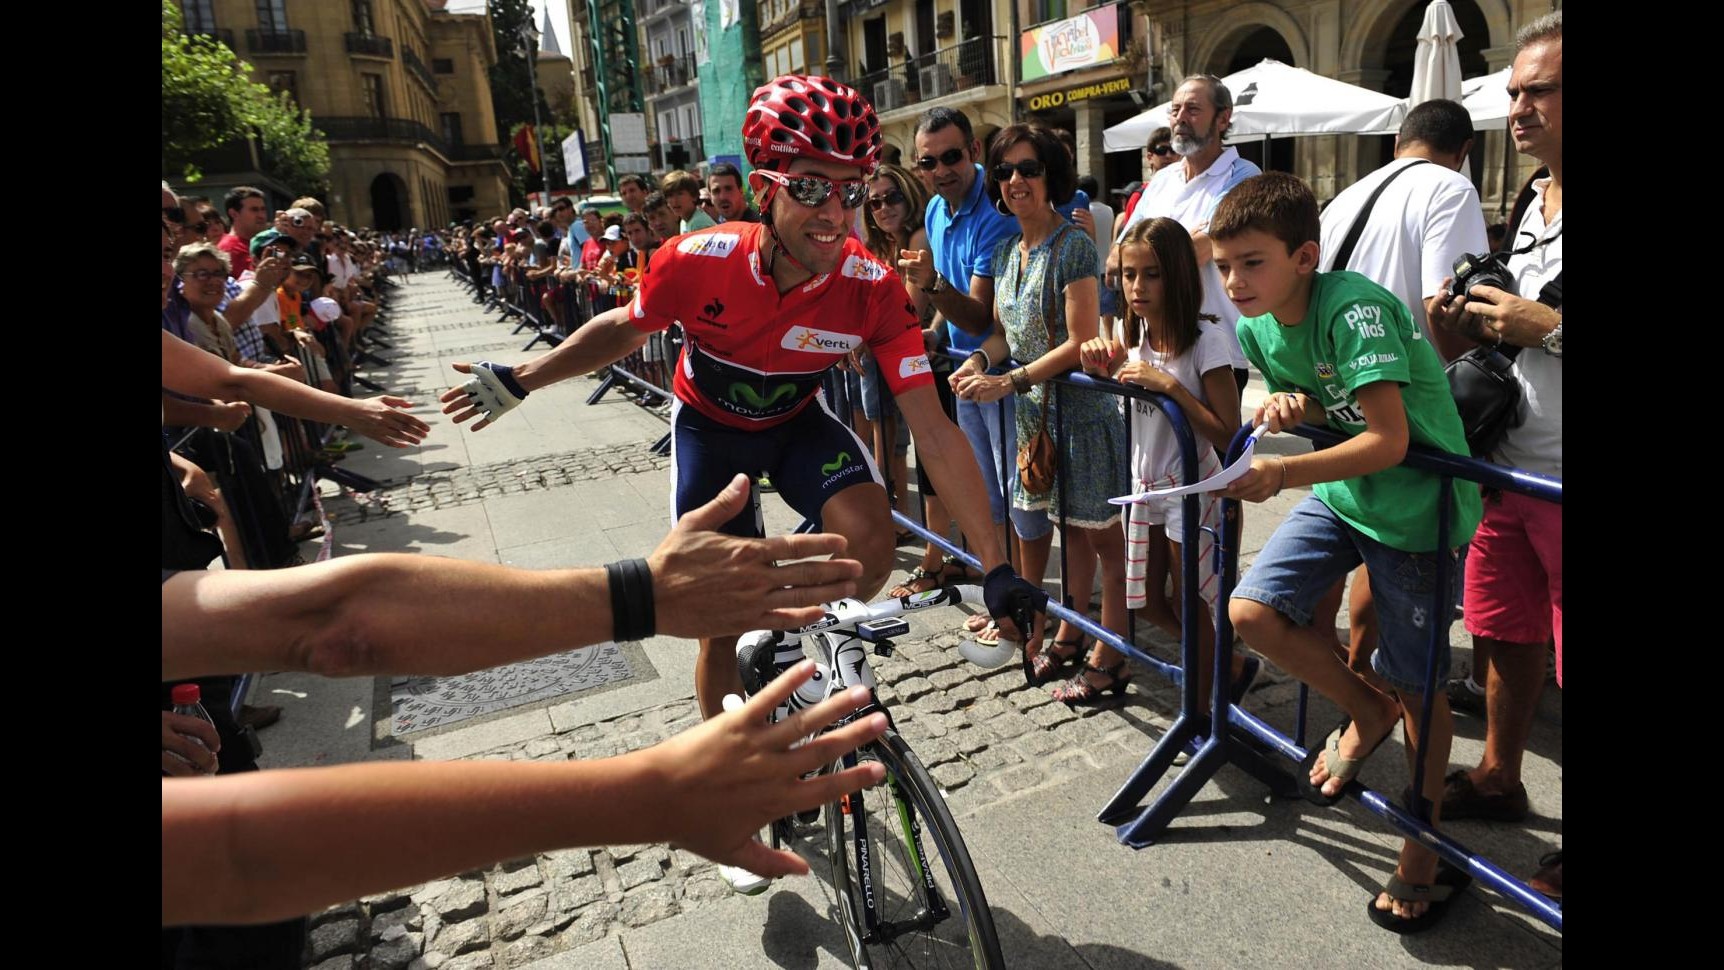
(1490, 269)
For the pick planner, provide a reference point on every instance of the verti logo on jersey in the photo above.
(866, 270)
(911, 366)
(812, 341)
(746, 396)
(714, 244)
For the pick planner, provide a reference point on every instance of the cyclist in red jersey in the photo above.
(766, 310)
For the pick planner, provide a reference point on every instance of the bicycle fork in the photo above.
(934, 911)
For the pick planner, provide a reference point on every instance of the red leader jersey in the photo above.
(752, 358)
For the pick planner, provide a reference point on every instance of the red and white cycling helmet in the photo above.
(802, 116)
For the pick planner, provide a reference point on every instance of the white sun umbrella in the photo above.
(1272, 98)
(1486, 100)
(1437, 63)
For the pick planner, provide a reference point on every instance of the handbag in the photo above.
(1038, 462)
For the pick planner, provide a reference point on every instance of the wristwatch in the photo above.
(939, 285)
(1553, 341)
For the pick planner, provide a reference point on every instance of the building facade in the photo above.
(911, 55)
(668, 51)
(399, 88)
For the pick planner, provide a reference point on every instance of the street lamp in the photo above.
(530, 38)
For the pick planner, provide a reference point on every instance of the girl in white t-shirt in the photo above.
(1164, 344)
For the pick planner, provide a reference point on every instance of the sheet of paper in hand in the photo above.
(1213, 483)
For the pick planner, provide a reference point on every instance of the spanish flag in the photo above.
(527, 146)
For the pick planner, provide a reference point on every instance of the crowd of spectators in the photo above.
(1024, 276)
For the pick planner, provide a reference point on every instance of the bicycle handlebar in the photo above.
(848, 614)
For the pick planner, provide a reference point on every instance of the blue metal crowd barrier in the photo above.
(1241, 738)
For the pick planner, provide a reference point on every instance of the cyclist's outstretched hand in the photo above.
(492, 391)
(708, 584)
(727, 778)
(1013, 603)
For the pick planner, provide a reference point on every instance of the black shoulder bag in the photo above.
(1344, 255)
(1487, 394)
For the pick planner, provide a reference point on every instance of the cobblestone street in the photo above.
(561, 483)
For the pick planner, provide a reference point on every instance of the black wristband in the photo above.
(632, 614)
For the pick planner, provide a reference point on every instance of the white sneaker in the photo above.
(742, 881)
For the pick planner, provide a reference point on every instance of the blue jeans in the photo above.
(981, 424)
(1313, 549)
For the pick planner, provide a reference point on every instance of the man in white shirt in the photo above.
(1200, 115)
(1427, 217)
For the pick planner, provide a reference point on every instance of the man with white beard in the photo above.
(1200, 115)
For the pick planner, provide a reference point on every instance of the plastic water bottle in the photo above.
(188, 702)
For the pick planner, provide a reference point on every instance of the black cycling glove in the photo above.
(1010, 596)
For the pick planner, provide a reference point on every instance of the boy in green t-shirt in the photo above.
(1338, 348)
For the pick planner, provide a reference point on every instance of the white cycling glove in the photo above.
(493, 389)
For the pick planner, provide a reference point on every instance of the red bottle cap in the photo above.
(187, 694)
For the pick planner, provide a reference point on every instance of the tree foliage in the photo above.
(513, 89)
(209, 100)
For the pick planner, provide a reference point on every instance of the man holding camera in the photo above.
(1514, 571)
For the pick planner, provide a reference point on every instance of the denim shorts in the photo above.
(1313, 549)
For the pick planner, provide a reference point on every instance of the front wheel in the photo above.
(908, 895)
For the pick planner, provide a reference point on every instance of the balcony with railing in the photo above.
(683, 152)
(370, 45)
(275, 41)
(672, 74)
(417, 68)
(924, 77)
(473, 153)
(391, 130)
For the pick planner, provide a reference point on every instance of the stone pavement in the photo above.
(1236, 882)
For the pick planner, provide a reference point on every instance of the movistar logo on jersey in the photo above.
(747, 396)
(712, 244)
(814, 341)
(832, 466)
(860, 268)
(911, 366)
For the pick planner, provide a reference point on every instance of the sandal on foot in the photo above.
(921, 580)
(1436, 896)
(1049, 665)
(1345, 769)
(1462, 799)
(1079, 690)
(989, 635)
(958, 572)
(1548, 878)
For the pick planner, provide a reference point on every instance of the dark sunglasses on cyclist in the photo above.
(878, 202)
(948, 158)
(1029, 168)
(175, 214)
(1158, 150)
(814, 190)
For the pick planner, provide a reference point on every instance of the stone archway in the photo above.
(1217, 50)
(1372, 32)
(389, 201)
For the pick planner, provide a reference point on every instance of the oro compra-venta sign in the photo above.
(1100, 89)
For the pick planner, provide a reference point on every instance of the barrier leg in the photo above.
(343, 477)
(609, 382)
(369, 385)
(661, 446)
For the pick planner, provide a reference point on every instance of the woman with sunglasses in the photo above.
(892, 223)
(1045, 307)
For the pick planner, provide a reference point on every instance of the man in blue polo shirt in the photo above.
(958, 275)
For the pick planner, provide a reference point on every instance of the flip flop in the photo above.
(1437, 896)
(977, 622)
(1344, 768)
(989, 635)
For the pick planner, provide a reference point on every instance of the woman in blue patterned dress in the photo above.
(1045, 307)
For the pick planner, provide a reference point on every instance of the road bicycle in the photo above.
(908, 894)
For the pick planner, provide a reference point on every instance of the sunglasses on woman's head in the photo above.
(948, 158)
(878, 202)
(1029, 168)
(814, 190)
